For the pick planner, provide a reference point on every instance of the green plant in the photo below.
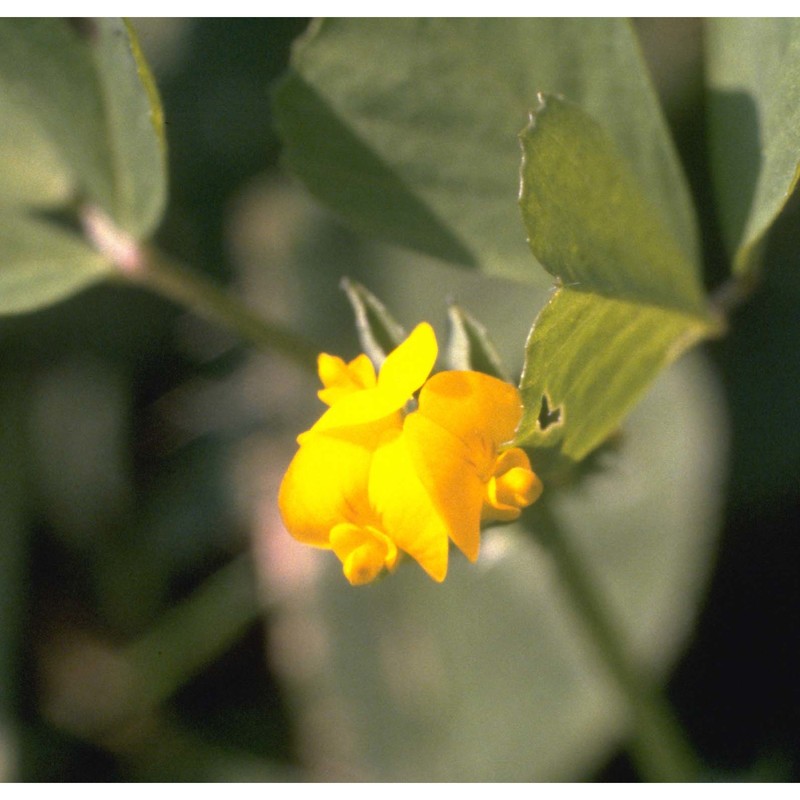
(434, 135)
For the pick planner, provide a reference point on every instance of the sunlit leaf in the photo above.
(589, 360)
(753, 68)
(31, 172)
(409, 128)
(630, 298)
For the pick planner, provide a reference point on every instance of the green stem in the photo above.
(145, 265)
(115, 697)
(732, 293)
(200, 295)
(659, 748)
(192, 634)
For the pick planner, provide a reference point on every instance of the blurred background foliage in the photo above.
(143, 449)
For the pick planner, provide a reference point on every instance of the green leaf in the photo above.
(408, 127)
(41, 263)
(753, 69)
(588, 361)
(82, 126)
(82, 85)
(469, 345)
(31, 172)
(491, 676)
(588, 220)
(630, 298)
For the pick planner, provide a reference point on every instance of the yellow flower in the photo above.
(351, 487)
(371, 481)
(458, 439)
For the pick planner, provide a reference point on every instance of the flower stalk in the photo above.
(203, 297)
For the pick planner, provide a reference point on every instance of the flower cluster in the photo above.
(373, 479)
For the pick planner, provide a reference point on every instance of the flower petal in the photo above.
(363, 550)
(444, 466)
(513, 486)
(408, 365)
(326, 482)
(358, 408)
(403, 372)
(407, 512)
(340, 379)
(471, 404)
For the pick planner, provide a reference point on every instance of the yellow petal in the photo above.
(363, 550)
(444, 466)
(326, 483)
(403, 372)
(408, 365)
(340, 379)
(455, 435)
(472, 405)
(407, 512)
(358, 408)
(513, 487)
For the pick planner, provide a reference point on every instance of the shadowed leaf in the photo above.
(754, 116)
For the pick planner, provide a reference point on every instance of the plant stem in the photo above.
(732, 293)
(117, 693)
(146, 266)
(659, 748)
(194, 291)
(192, 634)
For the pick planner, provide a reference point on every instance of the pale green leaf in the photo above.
(83, 91)
(469, 345)
(630, 298)
(82, 125)
(378, 331)
(491, 675)
(408, 127)
(31, 172)
(41, 262)
(753, 70)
